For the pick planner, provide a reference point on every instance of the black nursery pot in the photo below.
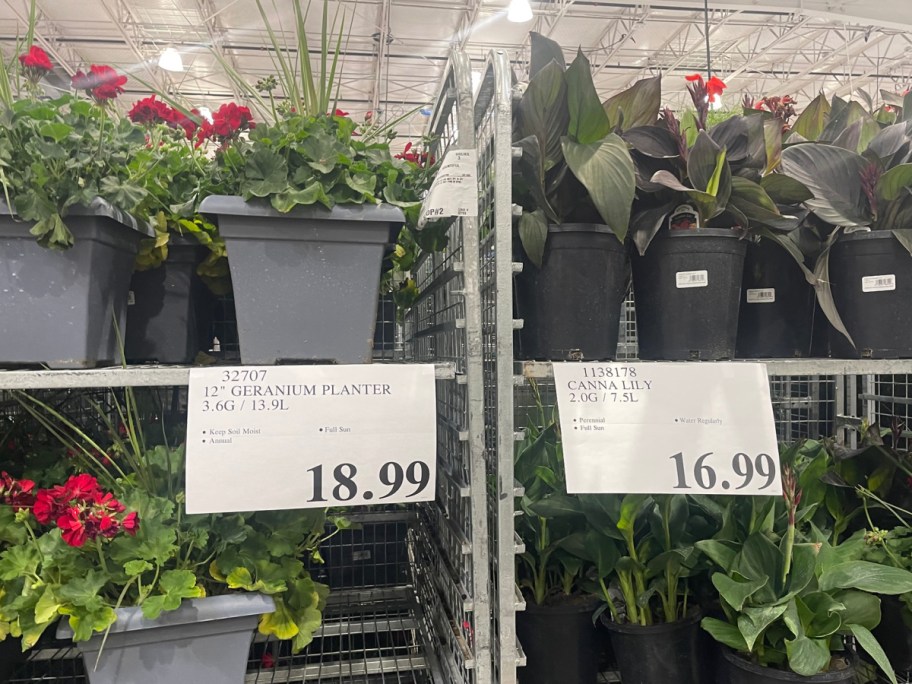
(559, 642)
(894, 633)
(658, 654)
(871, 276)
(171, 308)
(742, 671)
(571, 306)
(687, 290)
(777, 313)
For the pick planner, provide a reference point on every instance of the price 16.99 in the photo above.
(341, 483)
(756, 473)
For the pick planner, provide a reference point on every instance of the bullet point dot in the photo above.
(321, 429)
(204, 441)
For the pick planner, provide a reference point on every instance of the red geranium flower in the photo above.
(150, 111)
(130, 523)
(83, 487)
(35, 62)
(227, 123)
(16, 493)
(72, 527)
(102, 82)
(339, 112)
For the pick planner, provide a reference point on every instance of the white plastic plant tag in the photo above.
(880, 283)
(455, 188)
(685, 279)
(761, 295)
(131, 298)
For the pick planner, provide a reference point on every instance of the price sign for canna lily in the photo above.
(285, 437)
(665, 428)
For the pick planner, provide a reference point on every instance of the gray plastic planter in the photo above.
(58, 307)
(306, 283)
(205, 640)
(171, 309)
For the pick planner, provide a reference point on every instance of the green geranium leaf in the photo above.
(175, 585)
(266, 173)
(56, 131)
(18, 561)
(83, 591)
(85, 622)
(137, 567)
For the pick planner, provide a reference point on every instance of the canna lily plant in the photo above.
(727, 173)
(790, 597)
(574, 167)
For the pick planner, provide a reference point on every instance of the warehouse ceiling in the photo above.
(396, 51)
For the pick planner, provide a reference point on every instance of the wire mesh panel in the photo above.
(889, 402)
(493, 113)
(444, 325)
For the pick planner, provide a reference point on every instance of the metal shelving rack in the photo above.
(811, 397)
(445, 325)
(422, 616)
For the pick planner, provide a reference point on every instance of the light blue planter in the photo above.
(205, 641)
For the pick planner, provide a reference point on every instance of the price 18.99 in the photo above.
(341, 483)
(756, 472)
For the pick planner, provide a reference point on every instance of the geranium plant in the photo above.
(177, 175)
(115, 534)
(58, 153)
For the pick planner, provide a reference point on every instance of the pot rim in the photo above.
(570, 607)
(662, 628)
(580, 228)
(666, 233)
(866, 235)
(785, 676)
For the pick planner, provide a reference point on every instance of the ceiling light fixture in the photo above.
(171, 60)
(206, 113)
(519, 11)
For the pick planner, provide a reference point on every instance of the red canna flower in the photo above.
(35, 63)
(714, 87)
(693, 77)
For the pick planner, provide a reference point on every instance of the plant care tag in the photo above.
(685, 279)
(454, 191)
(761, 295)
(286, 437)
(880, 283)
(666, 428)
(131, 298)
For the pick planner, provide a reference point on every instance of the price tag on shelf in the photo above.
(286, 437)
(454, 191)
(665, 428)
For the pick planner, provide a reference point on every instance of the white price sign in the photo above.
(286, 437)
(454, 191)
(665, 428)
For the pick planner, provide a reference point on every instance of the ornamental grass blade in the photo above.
(287, 76)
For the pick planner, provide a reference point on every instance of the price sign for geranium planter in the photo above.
(665, 428)
(284, 437)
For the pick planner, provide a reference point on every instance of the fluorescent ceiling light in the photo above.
(519, 11)
(170, 60)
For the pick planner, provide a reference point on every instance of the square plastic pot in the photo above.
(306, 283)
(171, 308)
(59, 307)
(205, 640)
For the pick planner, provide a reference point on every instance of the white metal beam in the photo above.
(208, 13)
(122, 16)
(890, 13)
